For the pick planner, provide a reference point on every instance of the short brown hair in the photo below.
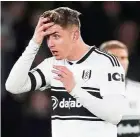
(113, 44)
(63, 16)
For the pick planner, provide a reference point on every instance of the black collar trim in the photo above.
(86, 56)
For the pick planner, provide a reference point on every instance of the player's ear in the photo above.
(75, 35)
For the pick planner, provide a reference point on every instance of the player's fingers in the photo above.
(41, 21)
(44, 27)
(59, 78)
(62, 68)
(59, 73)
(48, 32)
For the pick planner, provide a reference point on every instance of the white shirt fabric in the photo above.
(133, 96)
(96, 103)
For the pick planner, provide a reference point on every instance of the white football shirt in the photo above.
(97, 73)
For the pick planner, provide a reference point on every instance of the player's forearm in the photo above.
(107, 109)
(18, 76)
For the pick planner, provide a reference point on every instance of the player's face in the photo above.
(122, 56)
(59, 42)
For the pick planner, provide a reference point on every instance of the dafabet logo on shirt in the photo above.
(65, 103)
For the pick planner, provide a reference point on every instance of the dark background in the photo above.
(28, 114)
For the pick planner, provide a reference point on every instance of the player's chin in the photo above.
(59, 57)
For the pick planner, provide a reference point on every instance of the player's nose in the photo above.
(50, 43)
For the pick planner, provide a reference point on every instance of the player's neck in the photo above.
(78, 51)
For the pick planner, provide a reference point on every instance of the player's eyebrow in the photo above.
(53, 33)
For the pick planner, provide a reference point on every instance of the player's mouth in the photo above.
(54, 52)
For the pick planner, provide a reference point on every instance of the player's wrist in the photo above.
(75, 90)
(36, 43)
(32, 45)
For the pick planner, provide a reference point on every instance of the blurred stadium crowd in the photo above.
(28, 114)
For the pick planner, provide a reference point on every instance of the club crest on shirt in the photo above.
(86, 75)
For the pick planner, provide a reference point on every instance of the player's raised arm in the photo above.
(20, 79)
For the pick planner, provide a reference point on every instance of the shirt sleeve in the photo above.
(112, 80)
(21, 79)
(40, 76)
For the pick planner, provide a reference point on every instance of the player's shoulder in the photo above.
(132, 88)
(106, 59)
(46, 63)
(133, 83)
(49, 60)
(52, 61)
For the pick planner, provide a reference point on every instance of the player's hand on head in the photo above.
(65, 76)
(41, 29)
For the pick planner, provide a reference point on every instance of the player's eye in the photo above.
(56, 36)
